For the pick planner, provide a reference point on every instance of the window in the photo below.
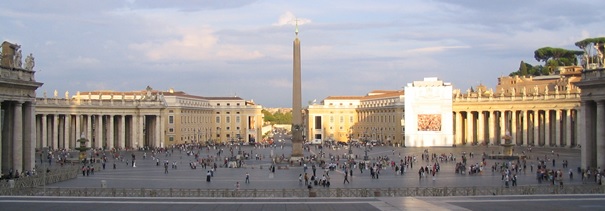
(171, 138)
(228, 119)
(317, 122)
(171, 130)
(342, 119)
(237, 119)
(218, 119)
(331, 119)
(170, 119)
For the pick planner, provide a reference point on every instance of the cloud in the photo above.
(436, 49)
(84, 61)
(288, 18)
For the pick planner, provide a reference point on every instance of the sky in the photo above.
(243, 48)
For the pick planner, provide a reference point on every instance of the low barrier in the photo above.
(303, 193)
(57, 175)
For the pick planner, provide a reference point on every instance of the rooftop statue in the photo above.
(30, 62)
(18, 63)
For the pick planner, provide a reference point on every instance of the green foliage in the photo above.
(523, 68)
(277, 117)
(582, 44)
(526, 69)
(558, 56)
(555, 57)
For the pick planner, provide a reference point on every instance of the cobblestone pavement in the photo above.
(147, 175)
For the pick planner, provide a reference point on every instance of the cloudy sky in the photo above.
(244, 47)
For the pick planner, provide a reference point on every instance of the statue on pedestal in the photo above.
(599, 54)
(546, 90)
(30, 62)
(56, 94)
(524, 92)
(67, 95)
(18, 63)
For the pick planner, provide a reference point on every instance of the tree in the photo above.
(555, 57)
(523, 69)
(590, 43)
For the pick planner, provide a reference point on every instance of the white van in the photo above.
(316, 141)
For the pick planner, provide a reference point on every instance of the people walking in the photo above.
(247, 177)
(346, 180)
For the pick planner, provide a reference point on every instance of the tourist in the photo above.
(346, 180)
(247, 177)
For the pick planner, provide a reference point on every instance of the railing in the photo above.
(57, 175)
(303, 193)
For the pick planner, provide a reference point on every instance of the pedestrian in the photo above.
(165, 168)
(247, 177)
(208, 176)
(506, 178)
(346, 180)
(236, 186)
(306, 179)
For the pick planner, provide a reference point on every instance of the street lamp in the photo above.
(350, 146)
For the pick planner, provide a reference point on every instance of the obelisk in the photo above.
(297, 126)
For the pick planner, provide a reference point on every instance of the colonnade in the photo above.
(107, 131)
(527, 127)
(18, 136)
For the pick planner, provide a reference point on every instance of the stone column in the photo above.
(6, 141)
(568, 128)
(558, 128)
(29, 137)
(122, 135)
(157, 142)
(470, 129)
(100, 123)
(481, 127)
(55, 131)
(585, 136)
(44, 128)
(492, 122)
(502, 127)
(458, 140)
(525, 128)
(89, 130)
(2, 123)
(513, 127)
(536, 128)
(67, 142)
(140, 126)
(17, 146)
(110, 135)
(547, 126)
(133, 132)
(78, 133)
(600, 129)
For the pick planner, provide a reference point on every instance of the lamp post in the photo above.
(350, 146)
